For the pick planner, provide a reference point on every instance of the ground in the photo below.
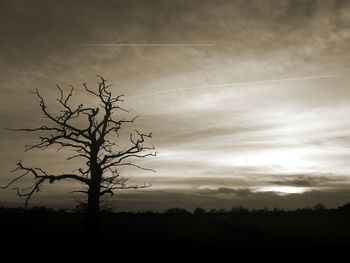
(286, 236)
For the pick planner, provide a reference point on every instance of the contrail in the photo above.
(232, 84)
(142, 45)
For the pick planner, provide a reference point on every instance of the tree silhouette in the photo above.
(199, 211)
(319, 207)
(94, 140)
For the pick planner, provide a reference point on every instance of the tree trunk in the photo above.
(93, 209)
(93, 206)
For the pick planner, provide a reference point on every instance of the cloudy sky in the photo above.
(248, 101)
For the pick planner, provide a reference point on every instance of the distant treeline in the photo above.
(318, 209)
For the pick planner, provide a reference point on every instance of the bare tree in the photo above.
(95, 141)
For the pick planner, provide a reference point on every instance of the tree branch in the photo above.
(40, 177)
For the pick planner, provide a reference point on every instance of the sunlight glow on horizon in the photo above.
(283, 189)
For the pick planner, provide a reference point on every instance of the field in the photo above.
(290, 236)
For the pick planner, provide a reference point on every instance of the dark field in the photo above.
(292, 236)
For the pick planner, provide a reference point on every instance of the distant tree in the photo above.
(345, 209)
(81, 208)
(177, 211)
(239, 210)
(199, 211)
(304, 211)
(319, 207)
(91, 132)
(41, 210)
(277, 210)
(213, 211)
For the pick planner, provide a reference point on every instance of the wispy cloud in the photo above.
(232, 84)
(143, 45)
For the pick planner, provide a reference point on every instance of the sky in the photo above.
(247, 100)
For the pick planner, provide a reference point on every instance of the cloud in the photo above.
(311, 181)
(238, 192)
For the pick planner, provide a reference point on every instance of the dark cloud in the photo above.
(310, 181)
(240, 192)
